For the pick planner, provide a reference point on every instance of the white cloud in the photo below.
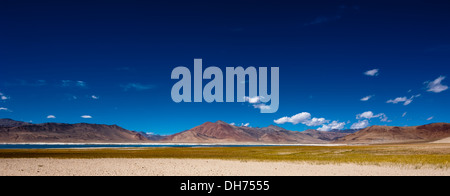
(367, 98)
(332, 126)
(373, 72)
(3, 96)
(95, 97)
(253, 99)
(436, 86)
(369, 115)
(241, 125)
(303, 118)
(298, 118)
(316, 122)
(360, 124)
(397, 100)
(282, 120)
(404, 114)
(405, 100)
(4, 109)
(408, 101)
(51, 117)
(366, 116)
(431, 118)
(256, 101)
(86, 116)
(384, 118)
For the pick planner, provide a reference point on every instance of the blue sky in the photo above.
(110, 62)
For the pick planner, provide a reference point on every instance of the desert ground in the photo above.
(198, 167)
(375, 160)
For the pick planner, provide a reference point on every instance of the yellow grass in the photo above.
(418, 155)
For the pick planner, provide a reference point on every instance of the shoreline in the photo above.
(172, 144)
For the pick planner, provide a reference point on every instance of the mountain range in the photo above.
(218, 132)
(21, 132)
(221, 132)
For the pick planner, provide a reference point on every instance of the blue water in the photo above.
(62, 146)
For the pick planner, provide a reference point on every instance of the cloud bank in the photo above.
(305, 118)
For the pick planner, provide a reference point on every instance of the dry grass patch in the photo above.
(416, 155)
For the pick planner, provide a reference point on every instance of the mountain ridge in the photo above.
(70, 133)
(12, 131)
(221, 132)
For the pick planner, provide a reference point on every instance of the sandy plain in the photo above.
(199, 167)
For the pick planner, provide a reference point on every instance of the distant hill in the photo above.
(328, 135)
(152, 137)
(11, 132)
(11, 123)
(345, 131)
(387, 134)
(221, 132)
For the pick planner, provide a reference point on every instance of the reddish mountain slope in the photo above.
(221, 132)
(386, 134)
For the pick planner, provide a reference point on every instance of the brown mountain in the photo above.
(328, 135)
(386, 134)
(221, 132)
(70, 133)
